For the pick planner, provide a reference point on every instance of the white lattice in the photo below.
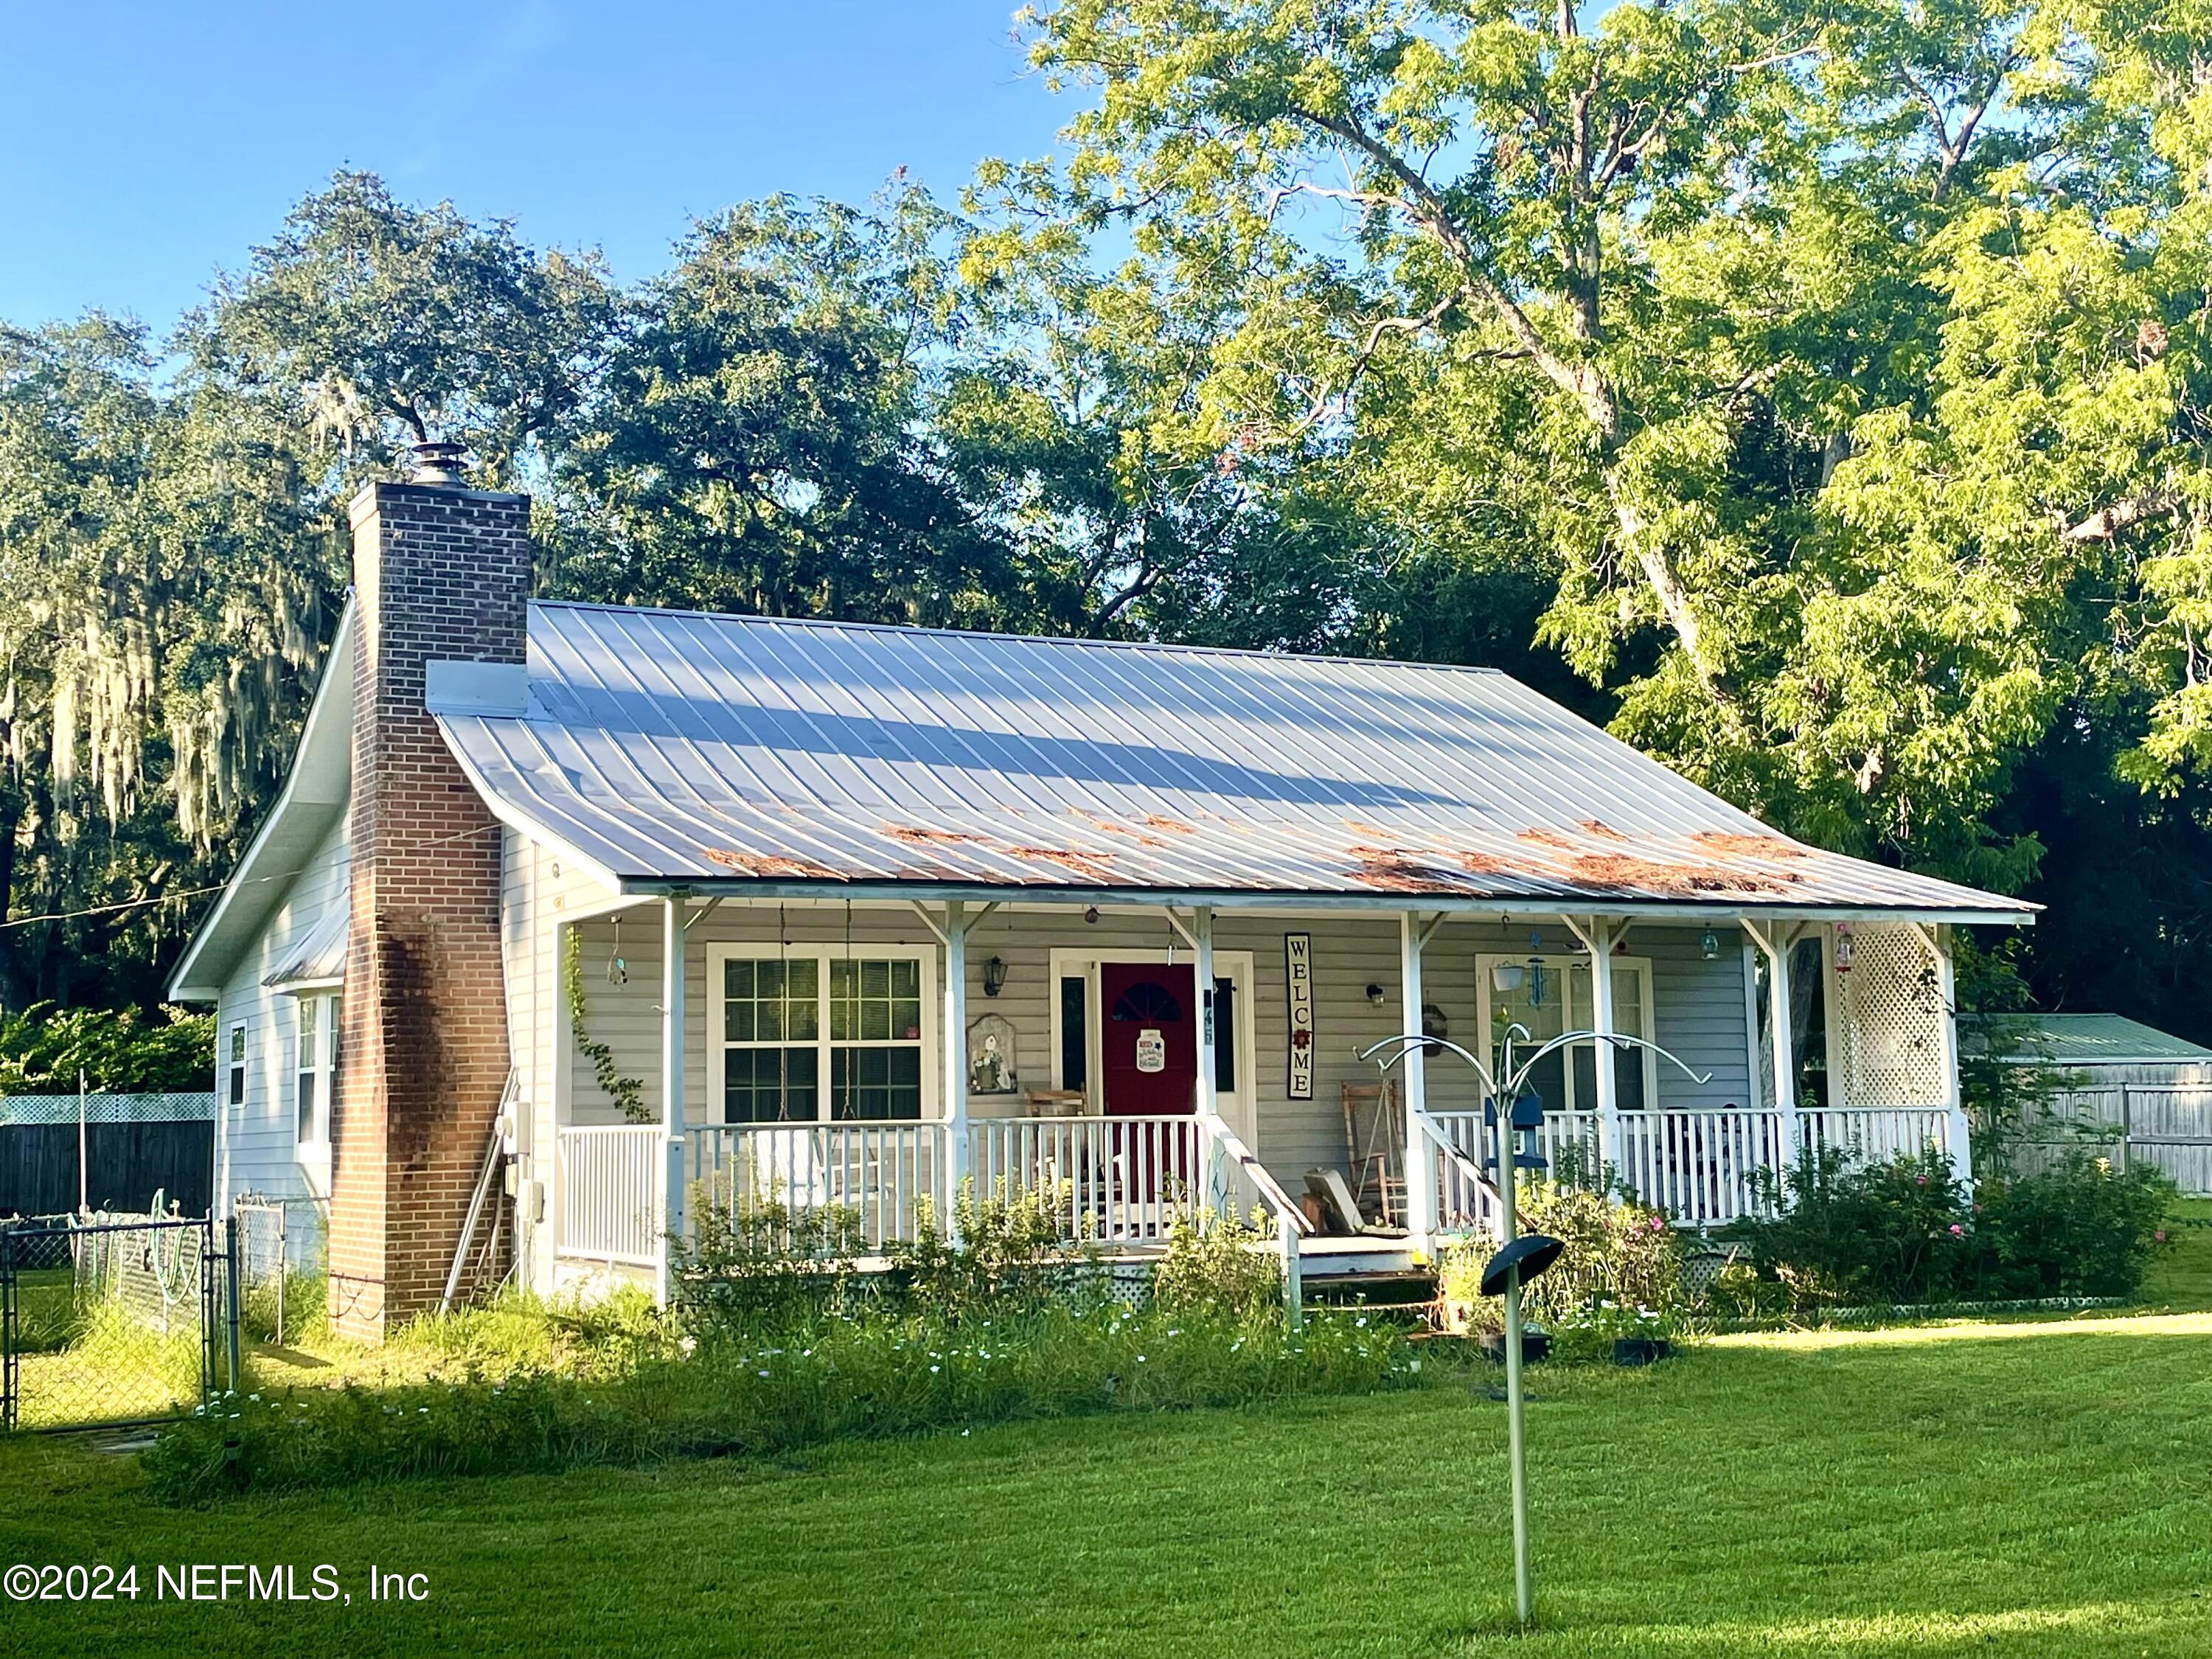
(1889, 1043)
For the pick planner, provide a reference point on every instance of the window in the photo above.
(875, 1039)
(1075, 1034)
(771, 1029)
(791, 1024)
(318, 1047)
(237, 1062)
(1551, 995)
(1224, 1036)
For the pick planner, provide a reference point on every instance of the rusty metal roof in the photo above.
(671, 747)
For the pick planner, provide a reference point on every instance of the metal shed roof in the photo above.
(716, 751)
(2076, 1040)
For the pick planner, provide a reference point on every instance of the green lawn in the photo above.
(2027, 1488)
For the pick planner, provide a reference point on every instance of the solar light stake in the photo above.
(1519, 1259)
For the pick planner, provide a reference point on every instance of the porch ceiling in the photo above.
(743, 753)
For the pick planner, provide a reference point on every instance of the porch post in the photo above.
(1775, 943)
(671, 1089)
(955, 1045)
(1600, 940)
(1420, 1157)
(1207, 1104)
(1957, 1132)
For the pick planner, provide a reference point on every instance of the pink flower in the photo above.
(1920, 1181)
(2159, 1237)
(1957, 1232)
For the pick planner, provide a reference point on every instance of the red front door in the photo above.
(1148, 1039)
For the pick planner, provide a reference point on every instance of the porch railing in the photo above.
(1701, 1166)
(866, 1179)
(1111, 1180)
(1876, 1134)
(608, 1178)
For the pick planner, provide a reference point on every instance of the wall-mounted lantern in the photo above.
(1375, 995)
(1709, 945)
(995, 977)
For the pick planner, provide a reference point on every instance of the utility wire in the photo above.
(200, 892)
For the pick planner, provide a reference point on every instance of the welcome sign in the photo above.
(1297, 965)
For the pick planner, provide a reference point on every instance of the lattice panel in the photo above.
(1889, 1038)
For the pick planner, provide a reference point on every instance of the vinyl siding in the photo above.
(1698, 1004)
(263, 1145)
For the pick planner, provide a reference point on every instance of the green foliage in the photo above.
(763, 1264)
(1908, 1231)
(1231, 1267)
(1622, 1265)
(44, 1049)
(627, 1093)
(837, 1378)
(1003, 1254)
(365, 316)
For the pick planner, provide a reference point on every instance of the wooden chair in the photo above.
(1374, 1137)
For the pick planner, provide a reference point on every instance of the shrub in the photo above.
(1619, 1255)
(838, 1378)
(119, 1050)
(763, 1264)
(1906, 1230)
(2079, 1228)
(1008, 1254)
(1222, 1268)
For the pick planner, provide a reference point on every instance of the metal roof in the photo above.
(720, 751)
(2076, 1040)
(319, 957)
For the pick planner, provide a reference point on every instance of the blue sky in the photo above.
(142, 147)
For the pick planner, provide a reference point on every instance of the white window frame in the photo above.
(236, 1055)
(719, 953)
(1239, 1108)
(321, 1065)
(1560, 964)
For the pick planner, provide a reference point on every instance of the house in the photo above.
(645, 910)
(2142, 1093)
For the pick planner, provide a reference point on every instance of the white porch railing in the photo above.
(1878, 1133)
(608, 1180)
(874, 1174)
(1700, 1166)
(1114, 1180)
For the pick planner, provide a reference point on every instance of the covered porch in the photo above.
(1135, 1065)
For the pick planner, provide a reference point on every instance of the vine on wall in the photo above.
(626, 1092)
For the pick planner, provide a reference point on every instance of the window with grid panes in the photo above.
(875, 1039)
(771, 1036)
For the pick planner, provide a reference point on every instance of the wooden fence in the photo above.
(2166, 1125)
(134, 1147)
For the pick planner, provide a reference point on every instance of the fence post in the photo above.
(230, 1301)
(7, 1327)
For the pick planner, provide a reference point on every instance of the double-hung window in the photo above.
(317, 1050)
(809, 1038)
(1548, 995)
(235, 1060)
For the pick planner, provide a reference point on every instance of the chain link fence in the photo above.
(283, 1296)
(107, 1319)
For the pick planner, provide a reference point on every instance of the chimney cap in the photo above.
(437, 463)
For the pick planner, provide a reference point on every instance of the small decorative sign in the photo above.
(1297, 966)
(1152, 1050)
(991, 1056)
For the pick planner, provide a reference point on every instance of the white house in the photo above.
(852, 914)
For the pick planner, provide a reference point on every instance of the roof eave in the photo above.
(295, 816)
(1316, 901)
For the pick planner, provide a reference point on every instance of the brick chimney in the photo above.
(440, 574)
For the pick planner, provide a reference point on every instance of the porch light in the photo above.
(995, 977)
(1375, 995)
(1843, 949)
(1091, 915)
(1710, 943)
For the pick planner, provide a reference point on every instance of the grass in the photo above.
(2019, 1488)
